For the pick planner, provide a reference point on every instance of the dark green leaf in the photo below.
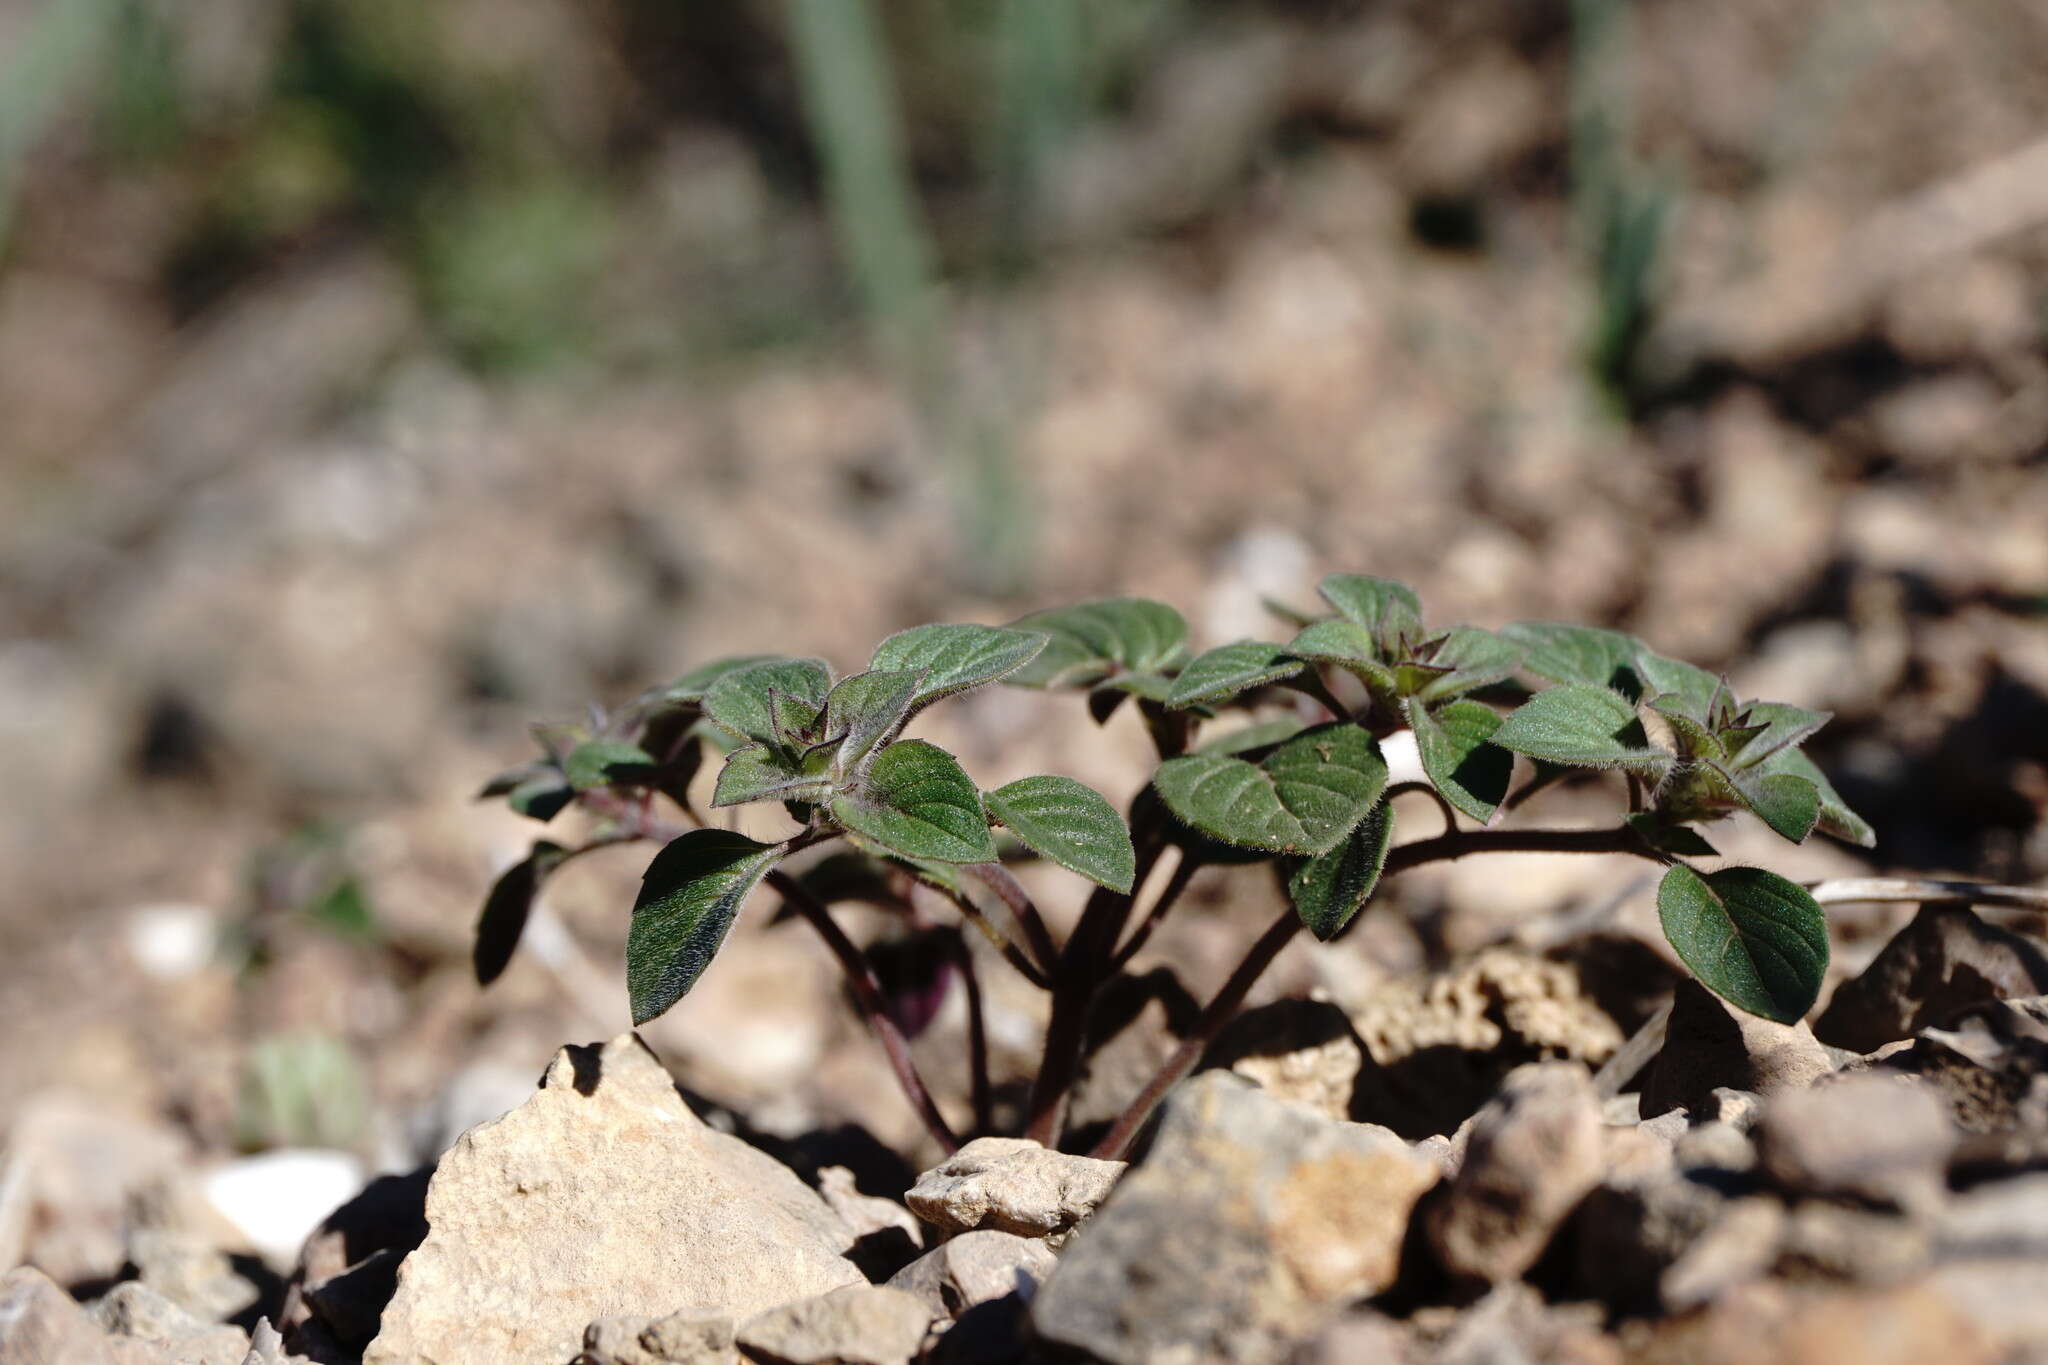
(866, 710)
(1475, 658)
(1783, 727)
(688, 898)
(1071, 824)
(1835, 816)
(1667, 837)
(740, 701)
(916, 801)
(1226, 671)
(1695, 740)
(758, 772)
(543, 797)
(1260, 734)
(955, 658)
(1789, 805)
(1336, 642)
(1586, 727)
(601, 762)
(796, 724)
(1453, 742)
(1691, 688)
(1092, 640)
(1389, 610)
(505, 911)
(1578, 654)
(691, 687)
(1304, 798)
(1753, 938)
(1329, 890)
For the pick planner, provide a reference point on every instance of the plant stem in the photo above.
(977, 1039)
(999, 879)
(867, 993)
(1220, 1011)
(1183, 873)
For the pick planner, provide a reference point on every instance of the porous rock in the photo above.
(1535, 1150)
(975, 1268)
(1884, 1140)
(680, 1339)
(1946, 958)
(602, 1194)
(41, 1325)
(857, 1325)
(1709, 1046)
(1249, 1223)
(1302, 1051)
(1012, 1185)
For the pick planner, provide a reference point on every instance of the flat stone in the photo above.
(1012, 1185)
(1885, 1140)
(40, 1325)
(602, 1195)
(858, 1325)
(1709, 1046)
(975, 1268)
(135, 1310)
(1248, 1225)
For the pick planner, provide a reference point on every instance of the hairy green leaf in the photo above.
(1585, 727)
(1228, 670)
(760, 772)
(1071, 824)
(795, 723)
(691, 687)
(1329, 890)
(1753, 938)
(867, 710)
(915, 800)
(1782, 727)
(1578, 654)
(1454, 742)
(1690, 688)
(1835, 816)
(742, 702)
(600, 762)
(1789, 805)
(1092, 640)
(1389, 610)
(503, 921)
(1260, 734)
(1336, 641)
(688, 898)
(956, 658)
(1474, 658)
(1304, 798)
(1695, 740)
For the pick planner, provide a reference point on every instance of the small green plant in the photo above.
(1269, 753)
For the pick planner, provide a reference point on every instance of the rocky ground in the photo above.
(284, 575)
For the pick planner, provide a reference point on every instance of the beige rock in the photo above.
(677, 1340)
(1248, 1224)
(40, 1325)
(1012, 1185)
(1768, 1323)
(603, 1194)
(975, 1268)
(1302, 1051)
(861, 1324)
(136, 1311)
(1534, 1152)
(1709, 1046)
(1878, 1138)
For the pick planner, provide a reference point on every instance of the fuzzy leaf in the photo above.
(1578, 654)
(794, 722)
(955, 658)
(1835, 816)
(1789, 805)
(742, 701)
(1389, 610)
(1691, 688)
(759, 772)
(601, 762)
(1585, 727)
(1475, 658)
(1303, 799)
(543, 797)
(1231, 669)
(691, 687)
(688, 898)
(1071, 824)
(867, 710)
(1093, 640)
(1260, 734)
(1454, 744)
(1329, 890)
(505, 911)
(1336, 642)
(1695, 740)
(1783, 727)
(1753, 938)
(916, 801)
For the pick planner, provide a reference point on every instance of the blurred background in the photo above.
(377, 377)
